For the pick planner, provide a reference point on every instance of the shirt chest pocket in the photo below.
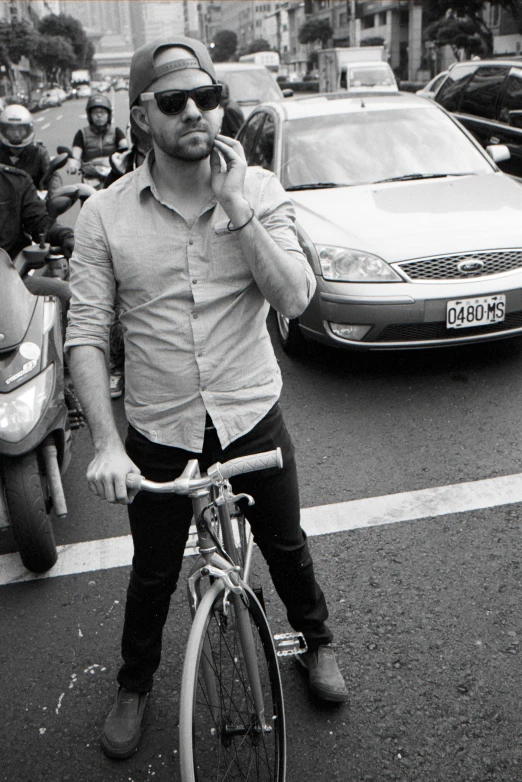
(228, 264)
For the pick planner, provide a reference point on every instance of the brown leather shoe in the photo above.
(122, 729)
(324, 677)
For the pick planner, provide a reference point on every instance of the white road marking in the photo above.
(59, 116)
(39, 119)
(321, 520)
(44, 127)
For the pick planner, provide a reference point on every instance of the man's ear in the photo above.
(140, 117)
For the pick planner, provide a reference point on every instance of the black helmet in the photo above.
(99, 102)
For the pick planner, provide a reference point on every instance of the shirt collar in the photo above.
(146, 181)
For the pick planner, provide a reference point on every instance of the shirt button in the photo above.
(191, 241)
(203, 388)
(199, 355)
(195, 316)
(194, 282)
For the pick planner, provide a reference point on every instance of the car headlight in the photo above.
(20, 409)
(344, 265)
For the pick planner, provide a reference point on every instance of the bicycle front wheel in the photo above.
(222, 737)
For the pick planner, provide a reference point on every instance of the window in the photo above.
(249, 135)
(367, 22)
(343, 19)
(263, 152)
(482, 92)
(452, 90)
(512, 98)
(382, 18)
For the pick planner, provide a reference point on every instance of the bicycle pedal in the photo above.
(289, 644)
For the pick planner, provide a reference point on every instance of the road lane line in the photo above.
(44, 127)
(320, 520)
(59, 116)
(40, 119)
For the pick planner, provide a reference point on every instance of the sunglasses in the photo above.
(174, 101)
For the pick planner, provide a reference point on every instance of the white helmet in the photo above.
(16, 127)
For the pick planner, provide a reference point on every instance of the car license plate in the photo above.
(463, 313)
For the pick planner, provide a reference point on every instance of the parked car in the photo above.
(121, 84)
(414, 234)
(249, 85)
(83, 91)
(429, 89)
(486, 96)
(53, 96)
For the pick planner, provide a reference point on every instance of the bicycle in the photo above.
(232, 722)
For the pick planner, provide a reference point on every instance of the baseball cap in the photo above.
(143, 72)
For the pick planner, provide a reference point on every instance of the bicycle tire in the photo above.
(226, 744)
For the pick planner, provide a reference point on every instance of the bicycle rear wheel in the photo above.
(221, 738)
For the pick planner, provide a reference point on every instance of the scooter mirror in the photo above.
(61, 150)
(57, 162)
(63, 199)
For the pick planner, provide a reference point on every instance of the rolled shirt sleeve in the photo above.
(92, 282)
(277, 215)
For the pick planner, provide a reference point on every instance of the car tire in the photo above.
(290, 335)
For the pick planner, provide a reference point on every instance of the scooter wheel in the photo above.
(30, 522)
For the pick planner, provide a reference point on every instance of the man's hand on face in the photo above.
(107, 474)
(228, 186)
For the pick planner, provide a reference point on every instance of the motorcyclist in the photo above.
(18, 148)
(99, 138)
(23, 217)
(130, 159)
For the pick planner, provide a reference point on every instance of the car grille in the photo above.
(446, 267)
(421, 332)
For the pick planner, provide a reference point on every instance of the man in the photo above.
(197, 247)
(99, 138)
(18, 148)
(233, 116)
(23, 217)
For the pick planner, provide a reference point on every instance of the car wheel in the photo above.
(290, 335)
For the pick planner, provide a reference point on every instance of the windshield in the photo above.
(366, 147)
(250, 86)
(371, 76)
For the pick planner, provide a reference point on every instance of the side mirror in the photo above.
(288, 93)
(57, 162)
(62, 200)
(64, 150)
(498, 152)
(515, 118)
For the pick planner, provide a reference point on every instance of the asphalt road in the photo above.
(426, 612)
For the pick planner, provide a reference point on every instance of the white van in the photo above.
(249, 85)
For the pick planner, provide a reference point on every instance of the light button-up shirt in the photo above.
(193, 316)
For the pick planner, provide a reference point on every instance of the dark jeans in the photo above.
(160, 523)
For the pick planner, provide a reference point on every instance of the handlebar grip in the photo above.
(257, 461)
(134, 480)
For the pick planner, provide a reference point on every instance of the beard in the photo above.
(189, 148)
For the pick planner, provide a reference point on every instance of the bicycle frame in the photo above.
(216, 566)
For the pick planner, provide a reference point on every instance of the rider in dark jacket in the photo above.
(18, 148)
(23, 217)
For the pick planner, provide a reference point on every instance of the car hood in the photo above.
(404, 220)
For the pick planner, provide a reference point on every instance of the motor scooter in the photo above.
(93, 172)
(37, 409)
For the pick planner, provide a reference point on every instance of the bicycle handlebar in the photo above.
(215, 475)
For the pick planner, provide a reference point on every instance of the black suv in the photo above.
(486, 96)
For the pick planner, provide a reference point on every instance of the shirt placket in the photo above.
(197, 271)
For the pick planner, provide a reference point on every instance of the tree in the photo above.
(17, 39)
(316, 30)
(460, 24)
(55, 55)
(225, 45)
(257, 45)
(67, 27)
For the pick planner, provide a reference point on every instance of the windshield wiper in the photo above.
(318, 185)
(407, 177)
